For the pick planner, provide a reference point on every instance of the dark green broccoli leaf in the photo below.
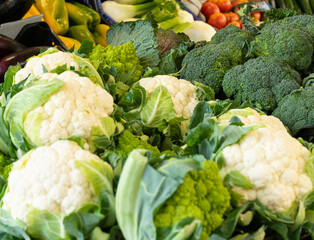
(296, 110)
(264, 81)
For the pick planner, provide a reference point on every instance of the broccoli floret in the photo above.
(127, 142)
(201, 196)
(303, 22)
(296, 110)
(235, 35)
(264, 81)
(122, 57)
(285, 42)
(208, 64)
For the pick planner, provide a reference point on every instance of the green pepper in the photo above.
(80, 14)
(99, 33)
(80, 33)
(55, 14)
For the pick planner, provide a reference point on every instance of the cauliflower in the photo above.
(53, 58)
(182, 92)
(57, 106)
(48, 178)
(272, 160)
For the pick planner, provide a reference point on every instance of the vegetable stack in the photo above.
(159, 137)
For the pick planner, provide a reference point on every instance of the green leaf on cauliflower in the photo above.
(159, 108)
(10, 227)
(45, 225)
(21, 104)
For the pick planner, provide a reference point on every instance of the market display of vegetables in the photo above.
(148, 130)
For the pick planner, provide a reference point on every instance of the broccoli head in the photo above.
(303, 22)
(264, 81)
(285, 42)
(233, 34)
(296, 110)
(201, 196)
(122, 57)
(208, 64)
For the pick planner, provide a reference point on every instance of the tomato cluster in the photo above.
(218, 13)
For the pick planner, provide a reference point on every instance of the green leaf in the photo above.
(59, 69)
(81, 224)
(12, 227)
(98, 173)
(77, 139)
(199, 112)
(227, 228)
(204, 92)
(237, 179)
(141, 190)
(187, 228)
(159, 108)
(85, 48)
(22, 103)
(309, 168)
(45, 225)
(142, 35)
(9, 77)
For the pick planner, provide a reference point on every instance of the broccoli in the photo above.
(122, 57)
(127, 142)
(236, 35)
(201, 196)
(208, 64)
(285, 42)
(296, 110)
(264, 81)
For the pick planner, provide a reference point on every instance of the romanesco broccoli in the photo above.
(122, 57)
(127, 142)
(201, 196)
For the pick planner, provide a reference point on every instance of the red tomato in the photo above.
(227, 15)
(217, 20)
(235, 23)
(209, 8)
(234, 3)
(233, 16)
(241, 25)
(256, 15)
(224, 5)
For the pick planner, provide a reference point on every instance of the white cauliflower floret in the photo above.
(272, 160)
(182, 92)
(35, 65)
(47, 179)
(77, 107)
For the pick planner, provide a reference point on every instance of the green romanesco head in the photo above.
(127, 142)
(122, 57)
(201, 196)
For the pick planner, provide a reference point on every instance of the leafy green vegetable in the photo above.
(141, 34)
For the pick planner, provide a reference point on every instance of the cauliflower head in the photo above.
(201, 196)
(48, 178)
(272, 160)
(52, 59)
(74, 108)
(182, 92)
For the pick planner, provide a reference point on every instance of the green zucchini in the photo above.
(280, 4)
(296, 5)
(312, 4)
(306, 6)
(272, 3)
(289, 4)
